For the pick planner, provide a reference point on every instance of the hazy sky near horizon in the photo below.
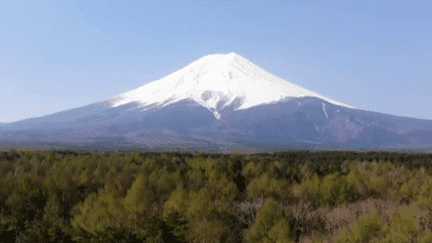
(58, 55)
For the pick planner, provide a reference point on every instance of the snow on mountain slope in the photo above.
(215, 81)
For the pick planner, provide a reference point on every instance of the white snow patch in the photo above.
(221, 77)
(324, 110)
(217, 115)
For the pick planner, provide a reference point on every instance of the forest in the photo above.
(290, 196)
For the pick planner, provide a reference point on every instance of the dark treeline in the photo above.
(129, 196)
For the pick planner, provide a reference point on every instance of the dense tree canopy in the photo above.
(71, 196)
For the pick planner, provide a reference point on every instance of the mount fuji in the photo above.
(221, 102)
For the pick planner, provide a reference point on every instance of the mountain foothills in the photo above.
(221, 102)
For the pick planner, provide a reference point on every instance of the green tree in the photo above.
(139, 197)
(402, 227)
(200, 205)
(205, 230)
(27, 199)
(264, 186)
(309, 190)
(221, 181)
(99, 211)
(426, 237)
(174, 211)
(425, 195)
(335, 189)
(270, 225)
(363, 229)
(177, 201)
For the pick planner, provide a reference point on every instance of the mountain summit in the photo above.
(221, 102)
(215, 82)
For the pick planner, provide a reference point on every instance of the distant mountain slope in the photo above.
(221, 102)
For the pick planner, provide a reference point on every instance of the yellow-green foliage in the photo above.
(270, 225)
(412, 187)
(215, 174)
(140, 196)
(277, 169)
(120, 177)
(38, 190)
(371, 178)
(26, 185)
(200, 163)
(279, 233)
(26, 196)
(335, 189)
(177, 202)
(197, 175)
(402, 227)
(50, 187)
(164, 181)
(362, 230)
(382, 184)
(308, 190)
(200, 205)
(251, 171)
(99, 211)
(307, 171)
(220, 178)
(205, 230)
(198, 209)
(380, 181)
(426, 237)
(224, 188)
(265, 186)
(425, 196)
(52, 206)
(353, 175)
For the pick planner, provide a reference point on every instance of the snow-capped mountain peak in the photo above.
(215, 81)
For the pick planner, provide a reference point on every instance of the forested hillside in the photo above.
(294, 196)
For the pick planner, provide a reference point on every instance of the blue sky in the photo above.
(57, 55)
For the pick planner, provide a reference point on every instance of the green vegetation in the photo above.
(68, 196)
(363, 229)
(270, 225)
